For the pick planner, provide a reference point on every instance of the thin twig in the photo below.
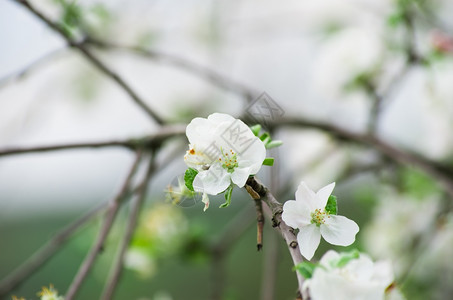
(105, 229)
(29, 68)
(93, 59)
(164, 133)
(206, 73)
(116, 271)
(286, 231)
(271, 253)
(41, 256)
(235, 228)
(259, 224)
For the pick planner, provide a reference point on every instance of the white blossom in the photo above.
(308, 214)
(223, 150)
(358, 279)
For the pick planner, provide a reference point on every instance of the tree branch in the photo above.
(105, 229)
(206, 73)
(164, 133)
(438, 171)
(115, 274)
(41, 256)
(93, 59)
(277, 222)
(235, 228)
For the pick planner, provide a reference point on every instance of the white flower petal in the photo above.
(324, 193)
(361, 267)
(329, 256)
(306, 196)
(240, 176)
(295, 214)
(212, 181)
(253, 156)
(339, 230)
(198, 130)
(383, 273)
(219, 118)
(308, 239)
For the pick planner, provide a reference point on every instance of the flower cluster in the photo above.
(223, 152)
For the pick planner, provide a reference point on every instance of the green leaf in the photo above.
(331, 206)
(346, 257)
(228, 193)
(256, 129)
(268, 161)
(189, 176)
(306, 269)
(265, 136)
(273, 144)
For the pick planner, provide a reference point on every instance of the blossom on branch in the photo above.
(314, 214)
(349, 276)
(222, 151)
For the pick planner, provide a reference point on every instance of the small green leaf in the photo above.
(268, 161)
(306, 269)
(265, 136)
(256, 129)
(273, 144)
(331, 206)
(347, 257)
(228, 193)
(189, 176)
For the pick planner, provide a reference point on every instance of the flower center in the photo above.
(318, 216)
(229, 160)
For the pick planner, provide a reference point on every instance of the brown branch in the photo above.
(42, 256)
(259, 224)
(105, 229)
(226, 239)
(151, 140)
(93, 59)
(438, 171)
(116, 271)
(206, 73)
(286, 231)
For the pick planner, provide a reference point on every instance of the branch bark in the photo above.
(131, 225)
(277, 222)
(148, 141)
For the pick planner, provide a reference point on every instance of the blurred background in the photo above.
(380, 68)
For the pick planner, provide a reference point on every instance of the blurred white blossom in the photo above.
(359, 279)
